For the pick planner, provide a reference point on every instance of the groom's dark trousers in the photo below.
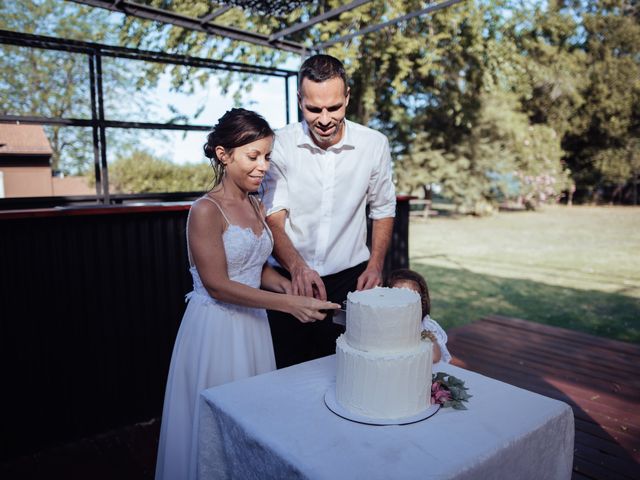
(296, 342)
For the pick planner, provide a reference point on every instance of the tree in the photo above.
(605, 149)
(147, 34)
(141, 172)
(503, 157)
(585, 69)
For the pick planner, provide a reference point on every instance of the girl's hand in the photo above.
(271, 280)
(283, 285)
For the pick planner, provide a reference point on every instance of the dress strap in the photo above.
(206, 197)
(224, 215)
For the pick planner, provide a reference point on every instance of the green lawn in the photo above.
(575, 267)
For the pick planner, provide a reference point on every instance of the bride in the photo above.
(224, 334)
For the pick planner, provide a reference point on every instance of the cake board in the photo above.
(332, 404)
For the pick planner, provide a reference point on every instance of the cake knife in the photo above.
(340, 316)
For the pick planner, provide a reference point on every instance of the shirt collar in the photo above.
(304, 138)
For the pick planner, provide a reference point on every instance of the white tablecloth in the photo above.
(276, 425)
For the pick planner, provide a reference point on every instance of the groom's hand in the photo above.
(307, 282)
(370, 278)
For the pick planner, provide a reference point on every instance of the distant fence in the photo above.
(90, 303)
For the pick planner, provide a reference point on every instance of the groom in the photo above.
(324, 172)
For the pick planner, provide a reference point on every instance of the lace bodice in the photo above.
(246, 254)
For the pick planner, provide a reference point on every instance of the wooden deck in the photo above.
(599, 378)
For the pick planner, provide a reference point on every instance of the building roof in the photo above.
(23, 140)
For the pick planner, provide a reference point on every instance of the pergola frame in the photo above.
(205, 24)
(275, 40)
(95, 53)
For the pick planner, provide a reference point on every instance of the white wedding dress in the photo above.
(217, 343)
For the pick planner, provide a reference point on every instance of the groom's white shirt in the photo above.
(325, 192)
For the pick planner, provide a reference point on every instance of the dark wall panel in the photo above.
(89, 309)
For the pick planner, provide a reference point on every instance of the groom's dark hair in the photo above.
(320, 68)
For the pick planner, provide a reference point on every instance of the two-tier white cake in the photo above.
(384, 368)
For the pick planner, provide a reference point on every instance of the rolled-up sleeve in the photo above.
(381, 195)
(276, 191)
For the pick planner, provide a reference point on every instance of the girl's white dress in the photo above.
(441, 337)
(216, 343)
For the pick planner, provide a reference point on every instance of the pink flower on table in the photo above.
(439, 393)
(448, 391)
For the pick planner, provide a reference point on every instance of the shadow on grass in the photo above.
(459, 296)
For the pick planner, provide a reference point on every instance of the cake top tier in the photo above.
(384, 319)
(384, 297)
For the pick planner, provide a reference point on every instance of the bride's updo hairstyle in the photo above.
(235, 128)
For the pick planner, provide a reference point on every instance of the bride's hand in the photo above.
(309, 309)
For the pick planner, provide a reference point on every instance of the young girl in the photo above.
(405, 278)
(224, 334)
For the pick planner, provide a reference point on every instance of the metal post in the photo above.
(286, 98)
(103, 136)
(94, 127)
(297, 102)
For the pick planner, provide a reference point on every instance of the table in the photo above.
(277, 426)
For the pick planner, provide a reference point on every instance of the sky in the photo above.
(266, 98)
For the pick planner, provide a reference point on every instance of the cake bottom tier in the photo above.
(383, 386)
